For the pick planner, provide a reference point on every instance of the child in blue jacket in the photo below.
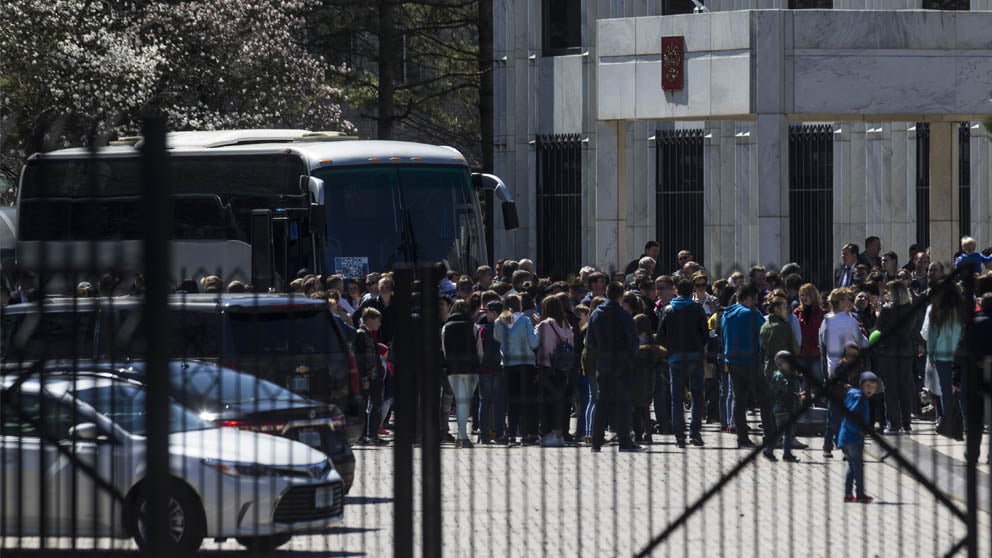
(851, 440)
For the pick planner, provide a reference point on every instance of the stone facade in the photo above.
(607, 91)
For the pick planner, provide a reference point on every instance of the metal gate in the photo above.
(559, 205)
(811, 201)
(679, 195)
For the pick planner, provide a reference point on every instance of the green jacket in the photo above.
(785, 392)
(776, 335)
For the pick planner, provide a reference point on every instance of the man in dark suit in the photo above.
(844, 276)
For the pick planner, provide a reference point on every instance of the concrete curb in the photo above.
(947, 473)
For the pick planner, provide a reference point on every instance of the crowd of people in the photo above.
(523, 355)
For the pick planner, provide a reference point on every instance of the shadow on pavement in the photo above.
(359, 500)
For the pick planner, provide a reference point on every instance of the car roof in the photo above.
(223, 300)
(61, 382)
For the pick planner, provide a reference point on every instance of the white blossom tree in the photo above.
(75, 69)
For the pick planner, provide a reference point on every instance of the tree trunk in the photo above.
(389, 60)
(486, 82)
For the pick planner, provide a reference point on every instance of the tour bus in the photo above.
(256, 205)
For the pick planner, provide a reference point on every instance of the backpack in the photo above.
(563, 358)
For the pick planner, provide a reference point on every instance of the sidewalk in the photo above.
(941, 460)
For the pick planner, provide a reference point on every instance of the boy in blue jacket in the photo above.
(851, 440)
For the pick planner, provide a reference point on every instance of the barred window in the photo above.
(923, 183)
(811, 201)
(679, 195)
(559, 205)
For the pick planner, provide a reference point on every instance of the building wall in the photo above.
(874, 164)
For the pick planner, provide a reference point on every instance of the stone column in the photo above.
(773, 189)
(611, 188)
(899, 197)
(944, 180)
(768, 40)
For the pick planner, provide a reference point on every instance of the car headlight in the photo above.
(242, 469)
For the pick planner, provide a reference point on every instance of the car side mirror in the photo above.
(84, 431)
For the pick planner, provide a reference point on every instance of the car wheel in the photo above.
(186, 522)
(263, 544)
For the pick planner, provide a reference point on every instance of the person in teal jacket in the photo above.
(514, 332)
(942, 328)
(851, 440)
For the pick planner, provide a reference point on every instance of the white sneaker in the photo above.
(552, 441)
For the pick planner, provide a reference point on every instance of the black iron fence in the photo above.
(679, 195)
(811, 201)
(290, 421)
(923, 183)
(559, 205)
(923, 180)
(964, 178)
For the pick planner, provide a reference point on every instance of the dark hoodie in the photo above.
(682, 330)
(458, 338)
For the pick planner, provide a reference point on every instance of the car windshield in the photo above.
(208, 387)
(125, 405)
(280, 332)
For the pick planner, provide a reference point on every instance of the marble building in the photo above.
(871, 76)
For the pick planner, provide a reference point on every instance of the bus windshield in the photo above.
(386, 215)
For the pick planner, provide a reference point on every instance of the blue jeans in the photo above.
(944, 372)
(726, 397)
(588, 394)
(835, 414)
(855, 470)
(691, 372)
(492, 405)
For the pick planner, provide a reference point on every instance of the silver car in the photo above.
(73, 450)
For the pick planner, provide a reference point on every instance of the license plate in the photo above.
(299, 384)
(310, 437)
(323, 497)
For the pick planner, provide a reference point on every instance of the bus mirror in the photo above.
(482, 181)
(315, 186)
(318, 218)
(510, 221)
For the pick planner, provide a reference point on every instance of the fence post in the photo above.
(430, 399)
(156, 256)
(405, 407)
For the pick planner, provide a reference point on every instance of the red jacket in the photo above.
(809, 325)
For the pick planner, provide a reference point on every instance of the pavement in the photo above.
(529, 501)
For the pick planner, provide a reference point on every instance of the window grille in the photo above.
(923, 184)
(559, 205)
(811, 205)
(964, 178)
(679, 195)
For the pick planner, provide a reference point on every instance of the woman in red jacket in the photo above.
(810, 316)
